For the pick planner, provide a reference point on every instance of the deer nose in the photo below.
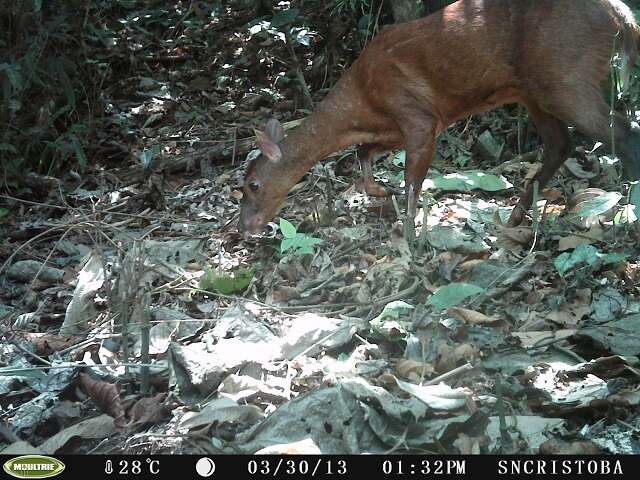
(249, 223)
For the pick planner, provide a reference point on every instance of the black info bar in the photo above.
(236, 467)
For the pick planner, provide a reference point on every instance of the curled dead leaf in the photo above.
(470, 316)
(514, 239)
(46, 344)
(414, 370)
(470, 265)
(106, 397)
(551, 194)
(449, 357)
(151, 410)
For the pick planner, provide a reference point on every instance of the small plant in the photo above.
(297, 243)
(226, 283)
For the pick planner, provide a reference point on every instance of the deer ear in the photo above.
(275, 130)
(268, 147)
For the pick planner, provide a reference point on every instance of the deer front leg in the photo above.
(418, 161)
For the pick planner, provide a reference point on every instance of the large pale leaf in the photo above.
(585, 255)
(452, 295)
(285, 17)
(467, 181)
(597, 205)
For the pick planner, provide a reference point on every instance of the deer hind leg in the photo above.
(557, 146)
(596, 123)
(590, 113)
(366, 155)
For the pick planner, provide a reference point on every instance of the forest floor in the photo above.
(135, 318)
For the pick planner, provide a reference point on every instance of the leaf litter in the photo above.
(137, 320)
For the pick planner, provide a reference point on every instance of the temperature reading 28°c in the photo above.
(132, 467)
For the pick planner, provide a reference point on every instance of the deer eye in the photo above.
(254, 187)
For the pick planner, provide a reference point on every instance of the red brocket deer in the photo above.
(415, 79)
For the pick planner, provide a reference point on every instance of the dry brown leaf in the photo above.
(533, 339)
(470, 316)
(551, 194)
(555, 446)
(46, 344)
(583, 295)
(514, 239)
(467, 445)
(284, 294)
(414, 370)
(93, 428)
(151, 410)
(469, 265)
(106, 397)
(569, 314)
(532, 171)
(450, 358)
(369, 259)
(593, 235)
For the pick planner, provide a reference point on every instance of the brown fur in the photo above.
(415, 79)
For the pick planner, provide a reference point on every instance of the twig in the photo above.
(30, 354)
(13, 371)
(144, 342)
(28, 242)
(449, 375)
(306, 94)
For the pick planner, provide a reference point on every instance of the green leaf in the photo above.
(13, 72)
(399, 158)
(387, 323)
(364, 23)
(354, 233)
(306, 240)
(597, 205)
(300, 243)
(466, 181)
(394, 310)
(285, 17)
(586, 255)
(626, 215)
(286, 244)
(583, 254)
(304, 244)
(613, 258)
(287, 228)
(79, 151)
(301, 36)
(4, 212)
(634, 196)
(5, 147)
(452, 295)
(462, 160)
(225, 282)
(304, 250)
(146, 157)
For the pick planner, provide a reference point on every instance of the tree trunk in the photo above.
(406, 10)
(431, 6)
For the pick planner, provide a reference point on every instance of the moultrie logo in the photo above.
(33, 466)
